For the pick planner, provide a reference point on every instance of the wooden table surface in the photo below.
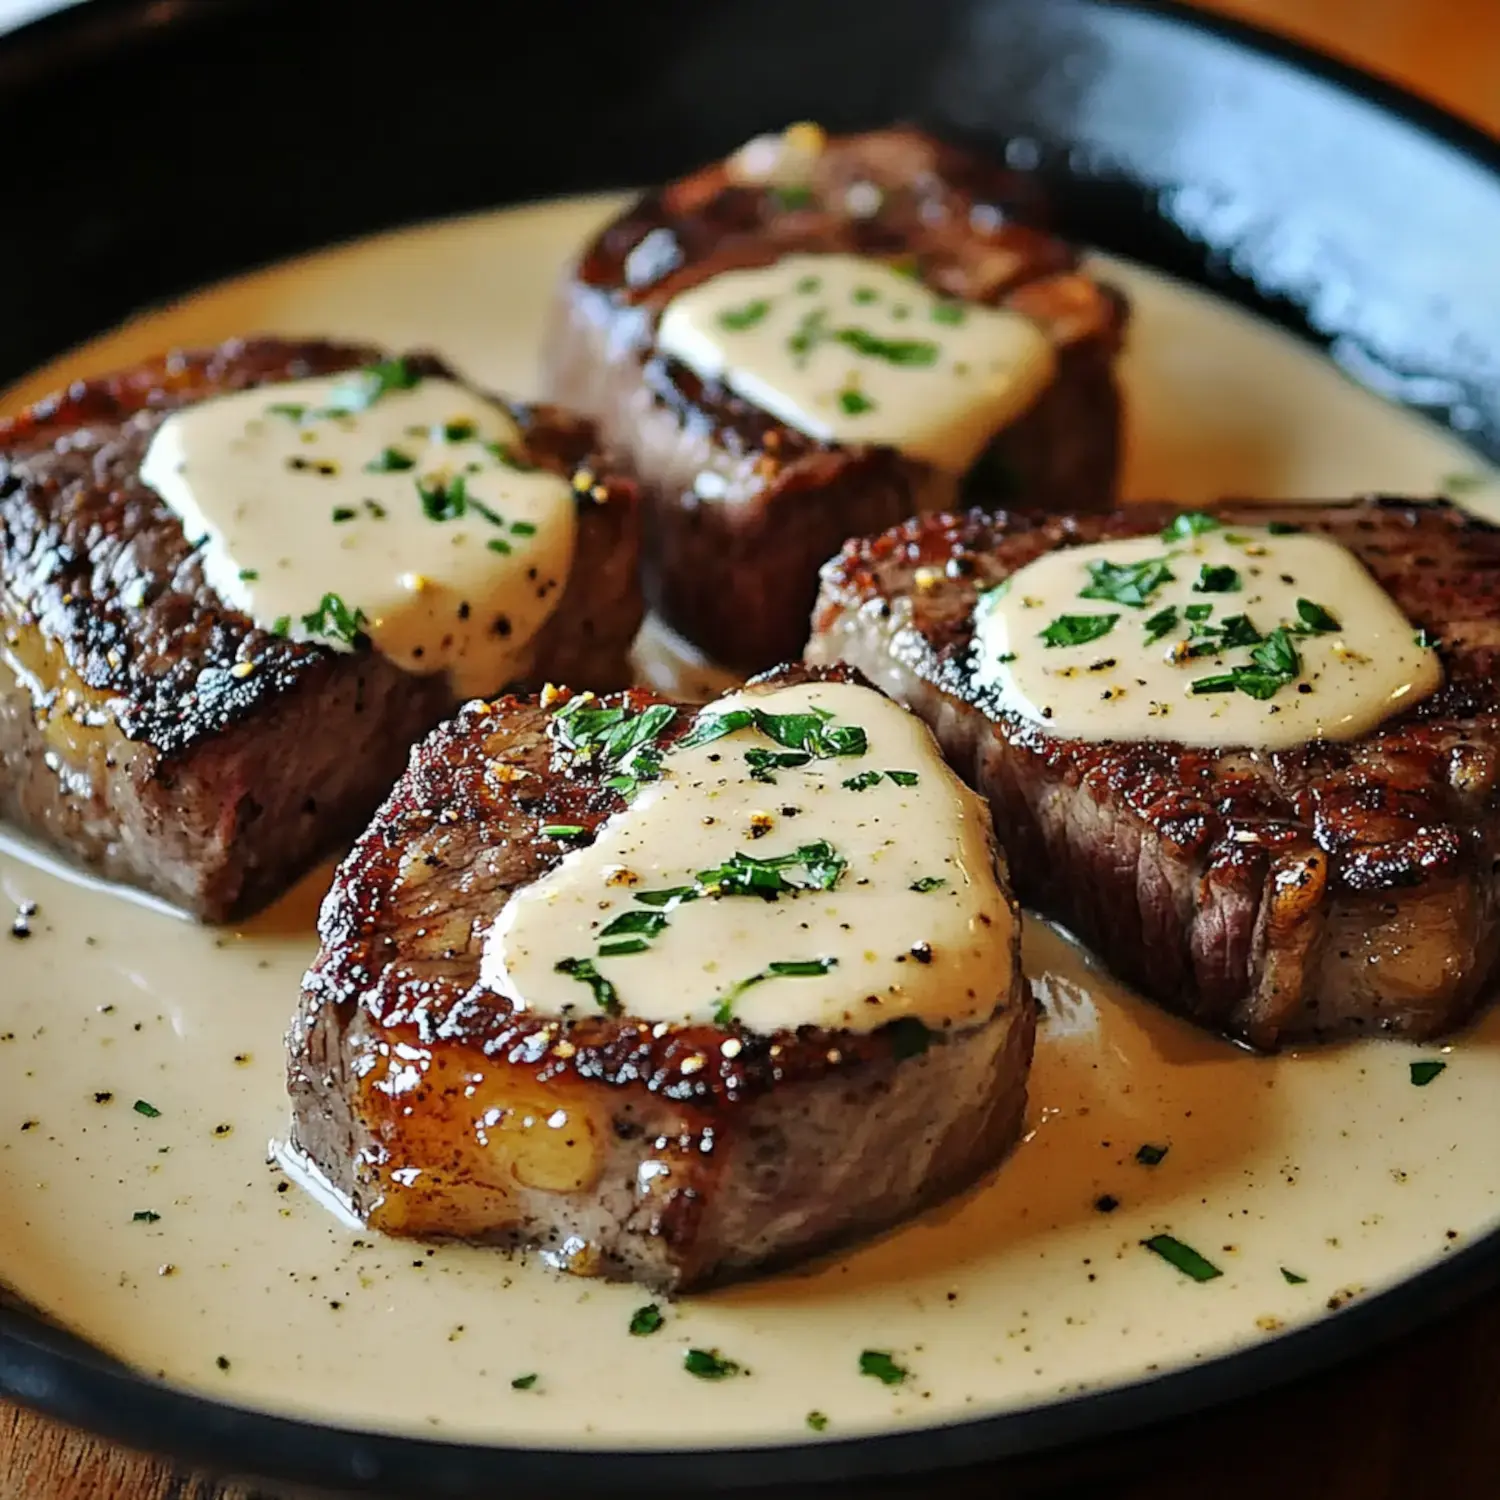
(1420, 1419)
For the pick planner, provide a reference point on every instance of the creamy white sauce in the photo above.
(1329, 1163)
(1219, 637)
(885, 905)
(849, 350)
(351, 504)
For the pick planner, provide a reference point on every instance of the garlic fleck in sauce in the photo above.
(849, 350)
(1202, 635)
(373, 503)
(845, 884)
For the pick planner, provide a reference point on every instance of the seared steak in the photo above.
(1334, 889)
(737, 572)
(151, 731)
(688, 1154)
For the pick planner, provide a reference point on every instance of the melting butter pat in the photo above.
(376, 504)
(850, 350)
(845, 888)
(1202, 635)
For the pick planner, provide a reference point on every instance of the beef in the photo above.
(1333, 889)
(737, 575)
(690, 1154)
(156, 734)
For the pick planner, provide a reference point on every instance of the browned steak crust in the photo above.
(1333, 889)
(738, 575)
(691, 1153)
(148, 729)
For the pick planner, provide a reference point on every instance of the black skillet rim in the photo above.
(54, 1374)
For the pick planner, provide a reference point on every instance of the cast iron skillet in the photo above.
(154, 145)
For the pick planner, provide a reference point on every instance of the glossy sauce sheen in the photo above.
(1321, 650)
(331, 507)
(849, 350)
(1327, 1164)
(910, 922)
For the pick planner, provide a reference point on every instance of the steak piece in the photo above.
(732, 558)
(691, 1153)
(156, 734)
(1333, 889)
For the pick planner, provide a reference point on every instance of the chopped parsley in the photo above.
(1292, 1278)
(817, 1421)
(503, 453)
(798, 968)
(1282, 528)
(500, 545)
(1161, 623)
(523, 1382)
(1462, 483)
(606, 996)
(561, 830)
(646, 1320)
(1422, 1073)
(636, 924)
(150, 1111)
(1426, 639)
(1188, 525)
(789, 198)
(290, 409)
(1131, 584)
(814, 732)
(878, 1364)
(864, 295)
(744, 875)
(951, 313)
(908, 352)
(522, 528)
(461, 431)
(613, 742)
(669, 897)
(737, 319)
(365, 388)
(390, 461)
(763, 763)
(867, 779)
(443, 499)
(1077, 630)
(708, 1364)
(1216, 579)
(248, 575)
(1197, 612)
(335, 621)
(809, 284)
(854, 402)
(1151, 1156)
(144, 1216)
(1315, 619)
(342, 513)
(282, 625)
(1184, 1257)
(1274, 663)
(928, 883)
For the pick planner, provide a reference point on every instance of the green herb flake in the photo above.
(854, 403)
(1184, 1257)
(282, 625)
(708, 1364)
(1216, 579)
(522, 528)
(1161, 623)
(1422, 1073)
(864, 295)
(150, 1111)
(1151, 1156)
(801, 968)
(1275, 663)
(636, 924)
(503, 453)
(462, 431)
(669, 897)
(342, 513)
(335, 621)
(738, 319)
(1462, 483)
(911, 353)
(365, 388)
(1197, 612)
(817, 1421)
(645, 1321)
(949, 313)
(765, 763)
(1077, 630)
(144, 1216)
(248, 575)
(791, 198)
(809, 284)
(606, 996)
(561, 830)
(443, 499)
(1426, 639)
(814, 732)
(390, 461)
(927, 883)
(499, 545)
(1130, 584)
(1315, 619)
(1190, 524)
(1282, 528)
(287, 409)
(523, 1382)
(878, 1365)
(1292, 1278)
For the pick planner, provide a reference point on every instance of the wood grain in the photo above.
(1420, 1419)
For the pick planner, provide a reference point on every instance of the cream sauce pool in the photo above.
(167, 1239)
